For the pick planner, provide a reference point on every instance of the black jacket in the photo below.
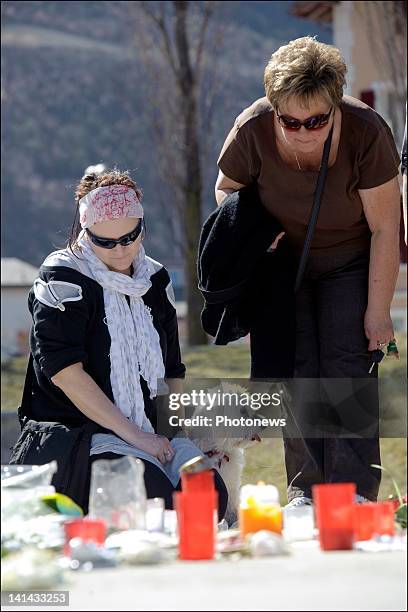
(245, 287)
(53, 427)
(79, 334)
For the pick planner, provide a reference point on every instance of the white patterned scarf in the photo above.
(135, 346)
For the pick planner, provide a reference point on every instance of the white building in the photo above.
(17, 277)
(372, 39)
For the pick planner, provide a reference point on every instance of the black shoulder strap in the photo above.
(321, 180)
(24, 411)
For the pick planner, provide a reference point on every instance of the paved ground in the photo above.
(306, 580)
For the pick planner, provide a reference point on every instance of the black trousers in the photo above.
(332, 390)
(158, 485)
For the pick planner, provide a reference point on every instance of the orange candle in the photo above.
(259, 509)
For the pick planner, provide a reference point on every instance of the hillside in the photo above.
(74, 94)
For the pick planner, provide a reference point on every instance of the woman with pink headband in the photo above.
(104, 335)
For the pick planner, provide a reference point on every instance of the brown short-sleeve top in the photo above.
(366, 157)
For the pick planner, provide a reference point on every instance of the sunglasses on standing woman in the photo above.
(312, 123)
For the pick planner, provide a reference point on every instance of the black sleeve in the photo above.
(174, 367)
(58, 336)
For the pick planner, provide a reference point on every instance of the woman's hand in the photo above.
(158, 446)
(83, 391)
(378, 328)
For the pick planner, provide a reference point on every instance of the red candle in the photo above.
(89, 530)
(384, 518)
(364, 521)
(199, 482)
(334, 514)
(196, 508)
(196, 519)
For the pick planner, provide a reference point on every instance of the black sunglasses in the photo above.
(313, 123)
(110, 243)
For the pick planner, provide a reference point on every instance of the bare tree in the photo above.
(177, 43)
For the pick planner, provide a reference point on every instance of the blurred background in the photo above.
(89, 82)
(154, 88)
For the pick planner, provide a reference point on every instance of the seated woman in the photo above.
(105, 332)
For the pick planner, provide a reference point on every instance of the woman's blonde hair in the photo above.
(305, 69)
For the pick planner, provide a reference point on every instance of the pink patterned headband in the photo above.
(108, 203)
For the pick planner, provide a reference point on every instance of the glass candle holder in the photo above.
(364, 521)
(259, 509)
(334, 504)
(155, 514)
(298, 523)
(384, 518)
(88, 530)
(196, 524)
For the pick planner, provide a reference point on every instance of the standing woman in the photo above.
(105, 332)
(343, 304)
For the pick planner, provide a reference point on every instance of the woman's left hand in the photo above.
(378, 329)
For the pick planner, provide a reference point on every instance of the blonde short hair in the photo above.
(305, 69)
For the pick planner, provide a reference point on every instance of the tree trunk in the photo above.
(192, 205)
(192, 188)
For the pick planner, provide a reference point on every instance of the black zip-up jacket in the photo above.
(244, 285)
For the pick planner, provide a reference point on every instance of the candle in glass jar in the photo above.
(259, 509)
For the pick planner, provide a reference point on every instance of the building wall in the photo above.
(351, 34)
(367, 42)
(343, 38)
(15, 319)
(360, 35)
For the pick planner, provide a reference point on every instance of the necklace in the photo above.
(294, 152)
(296, 157)
(297, 161)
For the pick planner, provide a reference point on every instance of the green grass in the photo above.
(201, 362)
(12, 383)
(230, 361)
(265, 461)
(234, 360)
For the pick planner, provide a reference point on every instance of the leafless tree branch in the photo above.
(186, 78)
(159, 19)
(179, 108)
(208, 12)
